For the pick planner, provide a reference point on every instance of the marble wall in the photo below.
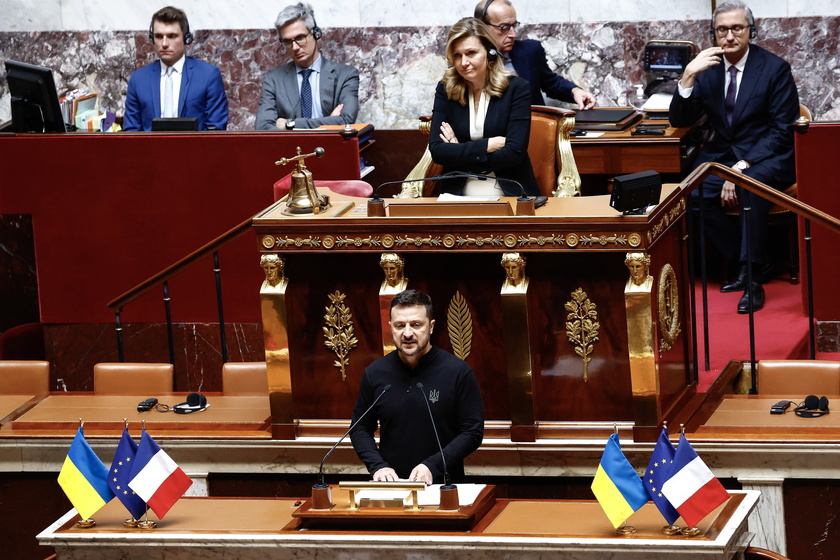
(399, 64)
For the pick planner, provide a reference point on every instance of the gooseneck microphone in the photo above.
(447, 484)
(321, 484)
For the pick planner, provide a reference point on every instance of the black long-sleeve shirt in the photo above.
(406, 434)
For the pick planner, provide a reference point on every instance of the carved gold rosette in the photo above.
(582, 327)
(668, 302)
(338, 331)
(459, 326)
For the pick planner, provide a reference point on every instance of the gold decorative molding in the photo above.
(489, 241)
(339, 332)
(582, 327)
(668, 302)
(459, 325)
(666, 220)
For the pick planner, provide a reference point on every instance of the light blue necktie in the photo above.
(168, 102)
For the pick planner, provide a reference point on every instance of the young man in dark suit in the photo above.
(175, 85)
(751, 102)
(526, 58)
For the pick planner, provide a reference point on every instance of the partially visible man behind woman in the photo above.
(481, 120)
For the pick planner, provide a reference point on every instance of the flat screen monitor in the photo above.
(35, 106)
(666, 56)
(175, 124)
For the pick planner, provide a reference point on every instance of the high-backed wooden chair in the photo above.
(798, 377)
(244, 378)
(147, 379)
(24, 377)
(549, 149)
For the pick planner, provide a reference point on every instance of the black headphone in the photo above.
(484, 11)
(492, 54)
(316, 31)
(812, 407)
(188, 36)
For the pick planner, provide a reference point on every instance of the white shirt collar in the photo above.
(739, 65)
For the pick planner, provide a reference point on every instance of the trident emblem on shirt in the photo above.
(434, 395)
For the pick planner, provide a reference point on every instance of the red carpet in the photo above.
(781, 328)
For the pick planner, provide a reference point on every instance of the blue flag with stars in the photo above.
(658, 471)
(120, 474)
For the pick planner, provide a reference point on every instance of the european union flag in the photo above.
(120, 474)
(658, 471)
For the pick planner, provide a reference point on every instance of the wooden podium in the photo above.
(574, 348)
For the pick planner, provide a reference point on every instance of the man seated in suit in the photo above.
(751, 101)
(309, 91)
(526, 57)
(176, 85)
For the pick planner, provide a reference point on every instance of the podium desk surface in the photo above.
(748, 417)
(58, 415)
(264, 529)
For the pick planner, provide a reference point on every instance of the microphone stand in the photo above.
(321, 496)
(448, 492)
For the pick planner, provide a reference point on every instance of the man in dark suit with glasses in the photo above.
(751, 101)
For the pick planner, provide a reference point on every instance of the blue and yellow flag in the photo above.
(83, 478)
(617, 487)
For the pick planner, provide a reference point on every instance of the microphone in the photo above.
(321, 485)
(447, 485)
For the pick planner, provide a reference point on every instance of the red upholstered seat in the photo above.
(350, 187)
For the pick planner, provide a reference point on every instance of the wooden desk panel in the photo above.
(258, 529)
(105, 415)
(616, 153)
(12, 405)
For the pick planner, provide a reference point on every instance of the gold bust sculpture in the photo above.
(638, 264)
(514, 265)
(393, 266)
(274, 266)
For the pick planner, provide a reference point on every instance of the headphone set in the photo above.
(484, 11)
(812, 407)
(316, 31)
(713, 33)
(188, 36)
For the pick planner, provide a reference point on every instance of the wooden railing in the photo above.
(161, 279)
(808, 213)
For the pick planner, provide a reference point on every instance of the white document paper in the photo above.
(448, 197)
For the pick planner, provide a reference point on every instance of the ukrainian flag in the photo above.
(83, 478)
(617, 487)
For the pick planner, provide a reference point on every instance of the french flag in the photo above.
(156, 478)
(692, 488)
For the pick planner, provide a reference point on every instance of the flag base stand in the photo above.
(147, 525)
(690, 532)
(671, 530)
(130, 523)
(626, 530)
(85, 523)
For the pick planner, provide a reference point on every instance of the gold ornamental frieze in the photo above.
(666, 220)
(459, 326)
(277, 242)
(339, 335)
(668, 303)
(582, 327)
(490, 241)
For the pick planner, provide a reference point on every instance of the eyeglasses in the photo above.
(300, 40)
(504, 28)
(735, 29)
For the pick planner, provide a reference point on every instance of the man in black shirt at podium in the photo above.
(419, 375)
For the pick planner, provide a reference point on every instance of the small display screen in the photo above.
(666, 58)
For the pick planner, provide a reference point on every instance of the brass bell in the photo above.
(303, 197)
